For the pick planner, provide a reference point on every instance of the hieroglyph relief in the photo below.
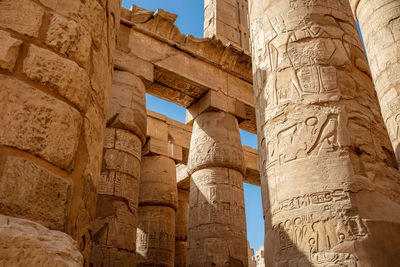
(296, 138)
(296, 64)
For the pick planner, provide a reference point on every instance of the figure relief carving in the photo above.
(315, 236)
(313, 136)
(295, 64)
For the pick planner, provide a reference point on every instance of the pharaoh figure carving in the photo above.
(323, 148)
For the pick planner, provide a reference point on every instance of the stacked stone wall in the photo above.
(55, 74)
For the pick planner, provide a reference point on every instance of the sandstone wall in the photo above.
(55, 74)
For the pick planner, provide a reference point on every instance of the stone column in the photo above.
(55, 75)
(217, 223)
(380, 25)
(181, 228)
(114, 230)
(329, 179)
(155, 245)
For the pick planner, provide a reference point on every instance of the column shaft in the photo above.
(55, 75)
(380, 25)
(116, 213)
(329, 180)
(181, 228)
(155, 245)
(217, 223)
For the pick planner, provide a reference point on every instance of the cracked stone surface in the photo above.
(326, 162)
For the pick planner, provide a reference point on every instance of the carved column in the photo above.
(380, 25)
(155, 245)
(56, 61)
(329, 179)
(114, 230)
(181, 228)
(217, 223)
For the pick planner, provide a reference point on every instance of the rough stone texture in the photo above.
(227, 20)
(217, 223)
(22, 16)
(158, 182)
(38, 123)
(69, 38)
(127, 108)
(32, 192)
(329, 180)
(63, 75)
(9, 49)
(53, 102)
(26, 243)
(114, 240)
(181, 228)
(380, 25)
(216, 142)
(155, 243)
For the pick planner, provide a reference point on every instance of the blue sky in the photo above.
(190, 21)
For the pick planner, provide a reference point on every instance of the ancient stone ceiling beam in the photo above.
(182, 69)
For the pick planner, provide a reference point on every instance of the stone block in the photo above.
(127, 109)
(90, 14)
(38, 123)
(9, 50)
(134, 65)
(69, 38)
(155, 146)
(30, 191)
(112, 257)
(157, 129)
(62, 75)
(26, 243)
(128, 142)
(115, 225)
(122, 162)
(109, 138)
(121, 185)
(22, 16)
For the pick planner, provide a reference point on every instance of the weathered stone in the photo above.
(26, 243)
(9, 50)
(155, 241)
(33, 121)
(158, 182)
(127, 108)
(380, 25)
(180, 253)
(325, 157)
(22, 16)
(181, 228)
(217, 228)
(69, 38)
(216, 142)
(128, 142)
(90, 14)
(112, 257)
(32, 192)
(62, 75)
(115, 224)
(121, 161)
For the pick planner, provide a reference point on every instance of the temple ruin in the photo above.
(90, 177)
